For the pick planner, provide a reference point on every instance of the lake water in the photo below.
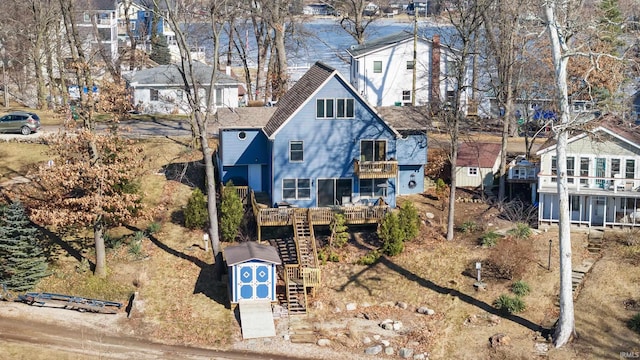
(324, 40)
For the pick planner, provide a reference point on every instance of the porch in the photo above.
(596, 209)
(375, 169)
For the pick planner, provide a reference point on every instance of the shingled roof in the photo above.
(298, 95)
(251, 250)
(379, 43)
(170, 75)
(482, 155)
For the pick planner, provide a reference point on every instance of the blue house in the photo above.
(324, 146)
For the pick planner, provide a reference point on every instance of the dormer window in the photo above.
(324, 108)
(344, 108)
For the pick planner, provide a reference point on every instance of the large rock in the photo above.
(405, 353)
(324, 342)
(351, 306)
(499, 339)
(397, 325)
(389, 350)
(402, 305)
(425, 310)
(385, 342)
(373, 350)
(366, 340)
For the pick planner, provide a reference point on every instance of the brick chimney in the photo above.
(434, 99)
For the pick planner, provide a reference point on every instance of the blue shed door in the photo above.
(254, 281)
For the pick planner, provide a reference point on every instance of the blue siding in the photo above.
(235, 173)
(251, 150)
(330, 145)
(409, 173)
(412, 150)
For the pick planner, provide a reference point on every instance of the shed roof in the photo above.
(251, 250)
(170, 75)
(482, 155)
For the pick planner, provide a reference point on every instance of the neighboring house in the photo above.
(603, 167)
(539, 110)
(522, 176)
(97, 24)
(382, 71)
(324, 146)
(477, 164)
(160, 90)
(635, 110)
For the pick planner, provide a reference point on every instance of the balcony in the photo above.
(375, 169)
(592, 185)
(523, 173)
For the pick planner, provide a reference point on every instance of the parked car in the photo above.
(20, 121)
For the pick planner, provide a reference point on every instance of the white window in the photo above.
(296, 151)
(154, 95)
(406, 95)
(324, 108)
(377, 67)
(219, 97)
(373, 188)
(86, 17)
(472, 171)
(410, 65)
(345, 108)
(296, 189)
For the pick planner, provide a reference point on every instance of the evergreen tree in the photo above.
(195, 214)
(409, 221)
(232, 212)
(160, 50)
(22, 261)
(391, 234)
(611, 23)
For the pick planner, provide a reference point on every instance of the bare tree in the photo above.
(201, 115)
(466, 19)
(356, 16)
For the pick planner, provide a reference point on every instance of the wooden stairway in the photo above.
(303, 234)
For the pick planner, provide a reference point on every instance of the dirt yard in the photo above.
(180, 303)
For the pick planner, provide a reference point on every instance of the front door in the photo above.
(253, 281)
(334, 192)
(597, 210)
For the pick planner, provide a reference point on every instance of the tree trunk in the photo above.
(281, 71)
(565, 328)
(101, 258)
(451, 216)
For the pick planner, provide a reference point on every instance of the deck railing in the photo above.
(311, 277)
(243, 193)
(375, 169)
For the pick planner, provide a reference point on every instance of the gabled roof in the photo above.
(293, 99)
(381, 43)
(97, 5)
(609, 124)
(169, 75)
(251, 250)
(482, 155)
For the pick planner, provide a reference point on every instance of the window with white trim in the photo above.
(630, 169)
(219, 97)
(410, 65)
(324, 108)
(345, 108)
(373, 188)
(296, 151)
(406, 95)
(294, 189)
(154, 95)
(377, 67)
(472, 171)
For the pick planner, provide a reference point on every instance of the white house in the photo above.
(160, 90)
(603, 175)
(477, 164)
(382, 71)
(97, 23)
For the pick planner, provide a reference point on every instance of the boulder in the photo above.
(499, 339)
(324, 342)
(351, 306)
(385, 342)
(405, 353)
(373, 350)
(397, 325)
(402, 305)
(366, 340)
(389, 350)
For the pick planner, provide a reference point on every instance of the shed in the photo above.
(477, 164)
(252, 271)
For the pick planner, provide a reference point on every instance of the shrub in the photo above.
(135, 247)
(520, 288)
(489, 239)
(468, 227)
(508, 259)
(510, 305)
(339, 234)
(370, 258)
(391, 234)
(634, 323)
(154, 227)
(521, 231)
(409, 220)
(196, 214)
(441, 187)
(232, 212)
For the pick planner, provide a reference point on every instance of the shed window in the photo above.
(472, 171)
